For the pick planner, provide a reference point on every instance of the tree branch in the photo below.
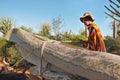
(117, 13)
(118, 1)
(112, 17)
(109, 10)
(115, 3)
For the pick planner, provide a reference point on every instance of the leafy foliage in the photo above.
(56, 27)
(112, 45)
(66, 36)
(45, 29)
(8, 50)
(26, 29)
(5, 25)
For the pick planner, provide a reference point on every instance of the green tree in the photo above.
(26, 29)
(112, 45)
(67, 35)
(8, 50)
(56, 26)
(45, 29)
(6, 24)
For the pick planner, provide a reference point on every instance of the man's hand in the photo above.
(84, 43)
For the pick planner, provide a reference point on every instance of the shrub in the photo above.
(112, 45)
(8, 50)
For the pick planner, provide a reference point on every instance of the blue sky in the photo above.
(31, 13)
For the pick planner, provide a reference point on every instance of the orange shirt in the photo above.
(95, 39)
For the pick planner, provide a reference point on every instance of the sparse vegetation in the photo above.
(45, 30)
(6, 24)
(26, 29)
(8, 50)
(113, 45)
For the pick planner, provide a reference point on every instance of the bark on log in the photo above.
(77, 61)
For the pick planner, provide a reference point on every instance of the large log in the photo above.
(77, 61)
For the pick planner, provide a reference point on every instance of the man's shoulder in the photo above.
(95, 26)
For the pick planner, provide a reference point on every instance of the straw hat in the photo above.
(87, 15)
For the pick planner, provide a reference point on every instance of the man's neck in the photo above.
(89, 26)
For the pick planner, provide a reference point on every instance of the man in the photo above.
(95, 39)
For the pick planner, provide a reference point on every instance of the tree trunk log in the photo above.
(74, 60)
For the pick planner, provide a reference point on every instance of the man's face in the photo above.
(86, 21)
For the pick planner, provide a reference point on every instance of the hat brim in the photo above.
(89, 17)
